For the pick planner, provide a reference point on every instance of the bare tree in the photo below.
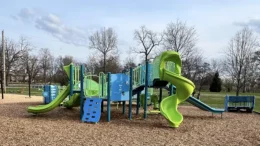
(180, 38)
(148, 40)
(14, 53)
(203, 74)
(45, 62)
(52, 68)
(240, 48)
(104, 41)
(32, 68)
(60, 75)
(191, 65)
(129, 63)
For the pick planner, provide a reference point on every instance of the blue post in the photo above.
(171, 89)
(146, 89)
(71, 80)
(102, 92)
(82, 96)
(130, 94)
(108, 96)
(138, 103)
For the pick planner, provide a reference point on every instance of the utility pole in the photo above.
(3, 57)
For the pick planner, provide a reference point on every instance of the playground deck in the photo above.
(63, 127)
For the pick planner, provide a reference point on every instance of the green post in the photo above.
(146, 89)
(82, 96)
(138, 103)
(108, 96)
(71, 80)
(130, 94)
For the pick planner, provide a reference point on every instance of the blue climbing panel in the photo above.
(92, 110)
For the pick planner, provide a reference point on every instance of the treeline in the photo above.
(237, 70)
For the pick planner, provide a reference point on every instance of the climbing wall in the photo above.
(92, 110)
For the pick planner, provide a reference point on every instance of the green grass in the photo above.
(210, 98)
(24, 91)
(217, 99)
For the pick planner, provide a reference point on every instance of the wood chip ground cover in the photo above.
(63, 127)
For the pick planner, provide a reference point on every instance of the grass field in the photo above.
(210, 98)
(24, 91)
(217, 99)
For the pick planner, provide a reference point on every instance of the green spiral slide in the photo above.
(184, 88)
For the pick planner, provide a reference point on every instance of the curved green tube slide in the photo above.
(184, 88)
(73, 102)
(48, 107)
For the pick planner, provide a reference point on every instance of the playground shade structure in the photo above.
(48, 107)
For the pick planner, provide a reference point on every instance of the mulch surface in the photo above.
(63, 127)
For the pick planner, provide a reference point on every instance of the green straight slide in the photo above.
(48, 107)
(184, 88)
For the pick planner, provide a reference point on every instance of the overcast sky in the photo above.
(64, 26)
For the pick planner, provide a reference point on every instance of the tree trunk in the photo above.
(244, 86)
(104, 63)
(44, 76)
(6, 79)
(238, 88)
(29, 83)
(244, 82)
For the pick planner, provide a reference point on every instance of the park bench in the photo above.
(240, 103)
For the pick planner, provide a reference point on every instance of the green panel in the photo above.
(67, 69)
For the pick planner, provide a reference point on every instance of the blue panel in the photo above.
(92, 110)
(239, 102)
(119, 87)
(50, 93)
(150, 74)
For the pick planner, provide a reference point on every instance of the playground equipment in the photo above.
(237, 103)
(184, 88)
(89, 95)
(201, 105)
(49, 93)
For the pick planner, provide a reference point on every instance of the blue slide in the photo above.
(194, 101)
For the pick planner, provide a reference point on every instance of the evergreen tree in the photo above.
(215, 85)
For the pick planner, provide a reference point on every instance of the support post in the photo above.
(138, 103)
(2, 89)
(123, 107)
(3, 61)
(108, 96)
(102, 92)
(71, 80)
(82, 96)
(171, 89)
(130, 94)
(160, 97)
(146, 89)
